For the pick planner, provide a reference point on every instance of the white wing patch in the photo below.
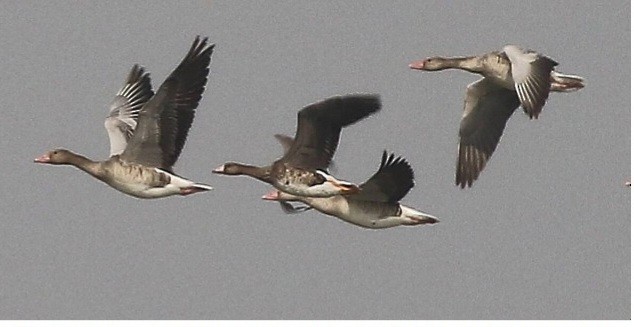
(124, 109)
(531, 75)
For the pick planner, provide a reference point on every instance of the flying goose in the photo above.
(376, 205)
(512, 78)
(147, 131)
(302, 170)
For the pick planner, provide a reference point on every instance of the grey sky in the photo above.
(543, 234)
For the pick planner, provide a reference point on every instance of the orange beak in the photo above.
(347, 189)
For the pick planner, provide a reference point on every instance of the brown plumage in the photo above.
(512, 78)
(165, 120)
(302, 168)
(375, 206)
(147, 131)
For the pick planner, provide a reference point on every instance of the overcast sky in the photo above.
(543, 234)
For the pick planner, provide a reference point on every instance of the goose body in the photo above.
(376, 205)
(511, 78)
(302, 170)
(147, 182)
(147, 131)
(316, 183)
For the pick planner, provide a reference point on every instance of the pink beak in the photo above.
(219, 170)
(43, 159)
(273, 195)
(418, 64)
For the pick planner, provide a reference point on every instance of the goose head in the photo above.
(56, 157)
(229, 168)
(429, 64)
(235, 168)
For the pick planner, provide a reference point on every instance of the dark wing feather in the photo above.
(285, 140)
(319, 127)
(165, 120)
(487, 108)
(390, 183)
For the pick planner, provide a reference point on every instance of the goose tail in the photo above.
(416, 217)
(565, 83)
(195, 188)
(202, 187)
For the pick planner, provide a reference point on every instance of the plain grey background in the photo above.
(543, 234)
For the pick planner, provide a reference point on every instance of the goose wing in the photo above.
(285, 141)
(319, 127)
(487, 108)
(125, 107)
(390, 183)
(165, 120)
(531, 75)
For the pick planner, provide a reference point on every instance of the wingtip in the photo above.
(200, 46)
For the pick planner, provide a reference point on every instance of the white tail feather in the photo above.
(418, 217)
(565, 83)
(203, 187)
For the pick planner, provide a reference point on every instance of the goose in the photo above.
(512, 77)
(286, 142)
(376, 205)
(302, 170)
(147, 131)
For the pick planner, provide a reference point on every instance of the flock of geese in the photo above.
(148, 130)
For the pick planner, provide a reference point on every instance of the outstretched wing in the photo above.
(165, 120)
(319, 127)
(531, 74)
(390, 183)
(487, 108)
(125, 107)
